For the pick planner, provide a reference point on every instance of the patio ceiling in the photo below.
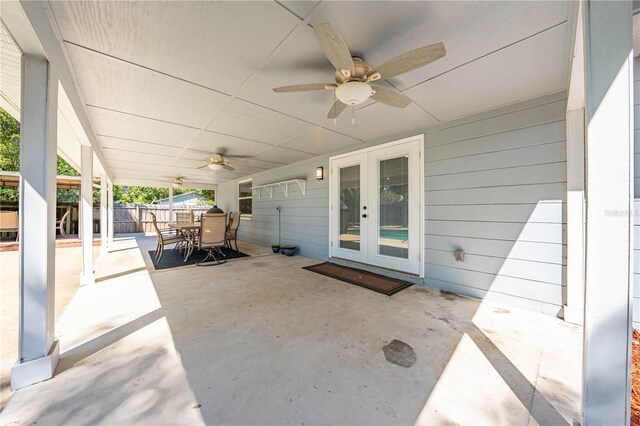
(166, 84)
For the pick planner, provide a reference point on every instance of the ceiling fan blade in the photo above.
(203, 166)
(334, 47)
(228, 167)
(336, 109)
(390, 97)
(305, 87)
(411, 60)
(240, 156)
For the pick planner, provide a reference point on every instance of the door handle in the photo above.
(364, 215)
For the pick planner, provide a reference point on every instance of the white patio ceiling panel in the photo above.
(230, 145)
(10, 66)
(468, 29)
(319, 141)
(301, 62)
(377, 121)
(284, 155)
(137, 128)
(522, 71)
(181, 80)
(214, 44)
(257, 123)
(121, 86)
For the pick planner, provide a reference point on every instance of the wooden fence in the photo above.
(130, 218)
(127, 218)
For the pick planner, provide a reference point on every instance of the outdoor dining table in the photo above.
(188, 232)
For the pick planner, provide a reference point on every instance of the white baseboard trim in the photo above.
(35, 371)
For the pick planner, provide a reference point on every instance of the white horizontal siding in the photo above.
(495, 187)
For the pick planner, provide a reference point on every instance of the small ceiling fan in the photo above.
(177, 182)
(353, 75)
(217, 161)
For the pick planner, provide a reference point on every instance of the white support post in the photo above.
(574, 309)
(609, 196)
(86, 214)
(575, 131)
(110, 230)
(37, 348)
(171, 204)
(103, 214)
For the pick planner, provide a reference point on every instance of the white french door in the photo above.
(376, 206)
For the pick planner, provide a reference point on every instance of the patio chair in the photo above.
(182, 217)
(165, 238)
(9, 222)
(212, 236)
(232, 229)
(62, 222)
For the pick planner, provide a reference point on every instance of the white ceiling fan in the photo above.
(217, 161)
(353, 75)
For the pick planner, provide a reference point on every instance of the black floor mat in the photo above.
(381, 284)
(174, 258)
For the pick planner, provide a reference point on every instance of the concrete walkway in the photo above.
(261, 341)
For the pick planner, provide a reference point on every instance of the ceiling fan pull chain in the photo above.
(353, 114)
(335, 117)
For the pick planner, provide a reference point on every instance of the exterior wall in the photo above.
(304, 219)
(495, 186)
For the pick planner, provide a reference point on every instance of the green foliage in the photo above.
(146, 195)
(10, 161)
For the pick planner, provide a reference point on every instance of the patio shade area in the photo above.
(261, 340)
(482, 152)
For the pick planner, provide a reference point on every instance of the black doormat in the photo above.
(174, 258)
(380, 283)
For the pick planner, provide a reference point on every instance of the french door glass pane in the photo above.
(350, 207)
(393, 229)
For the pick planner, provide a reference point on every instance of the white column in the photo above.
(609, 190)
(575, 131)
(110, 214)
(103, 214)
(86, 214)
(574, 309)
(37, 348)
(171, 219)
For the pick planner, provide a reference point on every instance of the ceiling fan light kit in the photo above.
(215, 166)
(353, 92)
(352, 74)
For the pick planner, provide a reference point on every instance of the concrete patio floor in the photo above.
(259, 340)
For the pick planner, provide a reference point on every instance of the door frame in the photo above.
(419, 141)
